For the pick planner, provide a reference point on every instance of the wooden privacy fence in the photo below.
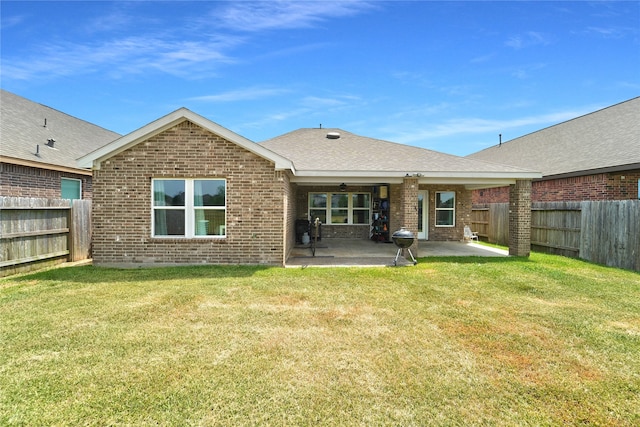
(38, 232)
(605, 232)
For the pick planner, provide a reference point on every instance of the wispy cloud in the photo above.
(474, 125)
(528, 39)
(131, 55)
(190, 47)
(612, 32)
(246, 94)
(483, 58)
(330, 101)
(7, 22)
(525, 71)
(272, 15)
(309, 107)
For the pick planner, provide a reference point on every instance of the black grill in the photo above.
(403, 239)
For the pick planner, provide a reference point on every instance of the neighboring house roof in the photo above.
(606, 140)
(93, 159)
(26, 128)
(325, 153)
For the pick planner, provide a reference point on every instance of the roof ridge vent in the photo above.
(333, 135)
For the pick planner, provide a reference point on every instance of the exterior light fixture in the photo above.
(343, 187)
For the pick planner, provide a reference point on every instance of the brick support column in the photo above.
(520, 218)
(409, 209)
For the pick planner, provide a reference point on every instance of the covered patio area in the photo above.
(366, 253)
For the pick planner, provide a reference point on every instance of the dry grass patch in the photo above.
(459, 341)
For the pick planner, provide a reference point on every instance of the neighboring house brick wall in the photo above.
(122, 202)
(604, 186)
(26, 181)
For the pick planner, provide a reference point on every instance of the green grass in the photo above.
(453, 341)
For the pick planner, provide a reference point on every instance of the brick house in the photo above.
(185, 190)
(592, 157)
(39, 147)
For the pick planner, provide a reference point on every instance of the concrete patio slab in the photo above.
(352, 252)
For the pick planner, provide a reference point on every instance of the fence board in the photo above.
(498, 218)
(480, 221)
(36, 232)
(611, 233)
(80, 237)
(555, 227)
(606, 232)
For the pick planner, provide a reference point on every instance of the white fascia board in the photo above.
(93, 159)
(482, 175)
(423, 176)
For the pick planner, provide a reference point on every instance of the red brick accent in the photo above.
(603, 186)
(520, 218)
(26, 181)
(257, 202)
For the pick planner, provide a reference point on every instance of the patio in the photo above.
(366, 253)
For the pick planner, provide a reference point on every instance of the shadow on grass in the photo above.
(472, 259)
(92, 274)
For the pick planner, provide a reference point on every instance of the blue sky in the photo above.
(448, 76)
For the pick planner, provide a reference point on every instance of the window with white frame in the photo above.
(340, 208)
(70, 188)
(445, 208)
(189, 207)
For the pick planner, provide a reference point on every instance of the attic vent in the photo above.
(51, 142)
(333, 135)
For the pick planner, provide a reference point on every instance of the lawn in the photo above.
(452, 341)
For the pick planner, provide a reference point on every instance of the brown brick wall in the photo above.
(463, 212)
(290, 194)
(26, 181)
(520, 218)
(256, 202)
(604, 186)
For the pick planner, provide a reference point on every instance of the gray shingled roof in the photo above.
(605, 139)
(22, 129)
(312, 150)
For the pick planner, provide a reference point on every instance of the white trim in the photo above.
(350, 209)
(422, 175)
(424, 235)
(436, 209)
(189, 210)
(95, 158)
(72, 179)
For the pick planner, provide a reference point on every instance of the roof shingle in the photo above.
(311, 150)
(607, 138)
(22, 129)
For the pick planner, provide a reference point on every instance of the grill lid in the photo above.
(403, 233)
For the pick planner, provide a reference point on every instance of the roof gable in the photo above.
(605, 139)
(94, 158)
(26, 128)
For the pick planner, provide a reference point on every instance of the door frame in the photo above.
(424, 233)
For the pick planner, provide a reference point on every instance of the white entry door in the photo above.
(423, 215)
